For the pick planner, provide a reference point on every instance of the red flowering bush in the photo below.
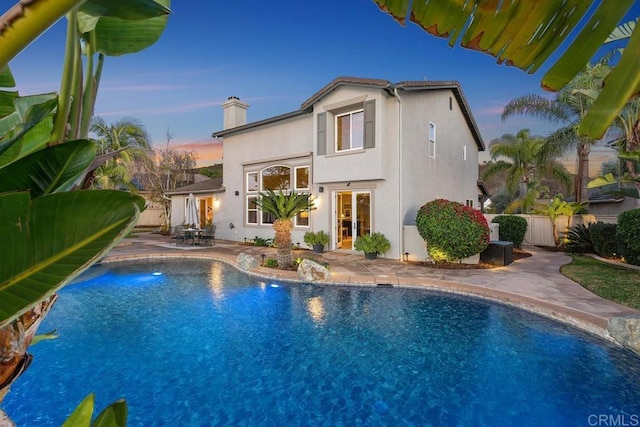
(451, 230)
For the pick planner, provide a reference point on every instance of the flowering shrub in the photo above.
(451, 230)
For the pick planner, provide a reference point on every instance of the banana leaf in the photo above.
(54, 238)
(52, 170)
(28, 128)
(26, 20)
(525, 33)
(122, 28)
(114, 415)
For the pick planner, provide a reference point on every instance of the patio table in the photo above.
(192, 233)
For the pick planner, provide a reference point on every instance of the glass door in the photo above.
(352, 217)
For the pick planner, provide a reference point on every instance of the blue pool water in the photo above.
(202, 344)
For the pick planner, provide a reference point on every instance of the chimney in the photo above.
(235, 112)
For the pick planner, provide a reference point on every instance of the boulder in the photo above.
(626, 331)
(311, 271)
(246, 262)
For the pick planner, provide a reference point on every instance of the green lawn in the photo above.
(618, 284)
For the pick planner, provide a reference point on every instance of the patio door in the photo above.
(351, 217)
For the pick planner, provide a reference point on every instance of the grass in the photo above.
(618, 284)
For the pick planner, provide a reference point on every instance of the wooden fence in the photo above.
(540, 229)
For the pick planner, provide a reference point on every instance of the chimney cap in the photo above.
(233, 97)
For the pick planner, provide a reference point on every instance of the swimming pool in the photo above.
(199, 344)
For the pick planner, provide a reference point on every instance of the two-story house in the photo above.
(370, 151)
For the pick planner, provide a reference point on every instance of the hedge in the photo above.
(603, 237)
(628, 236)
(512, 228)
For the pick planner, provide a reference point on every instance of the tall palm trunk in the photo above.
(15, 338)
(582, 173)
(283, 242)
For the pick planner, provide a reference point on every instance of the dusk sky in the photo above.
(273, 55)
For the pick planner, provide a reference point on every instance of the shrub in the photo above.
(603, 236)
(512, 228)
(451, 230)
(628, 236)
(372, 243)
(319, 238)
(270, 263)
(260, 241)
(578, 239)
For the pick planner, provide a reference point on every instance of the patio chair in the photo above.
(179, 235)
(207, 236)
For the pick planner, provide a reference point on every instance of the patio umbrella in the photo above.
(192, 216)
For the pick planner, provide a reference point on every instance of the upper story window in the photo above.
(276, 178)
(350, 131)
(432, 140)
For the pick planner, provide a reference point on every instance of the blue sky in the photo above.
(273, 55)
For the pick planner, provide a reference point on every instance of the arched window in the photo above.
(276, 178)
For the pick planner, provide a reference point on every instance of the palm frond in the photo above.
(284, 206)
(534, 105)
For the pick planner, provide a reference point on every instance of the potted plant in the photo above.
(316, 240)
(372, 245)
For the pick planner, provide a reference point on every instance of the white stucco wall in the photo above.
(269, 144)
(448, 175)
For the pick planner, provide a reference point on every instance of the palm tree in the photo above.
(525, 166)
(568, 107)
(127, 141)
(284, 207)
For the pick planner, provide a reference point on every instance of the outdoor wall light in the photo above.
(231, 226)
(321, 189)
(237, 193)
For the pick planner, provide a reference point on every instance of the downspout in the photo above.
(400, 179)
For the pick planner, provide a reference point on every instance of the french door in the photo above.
(351, 217)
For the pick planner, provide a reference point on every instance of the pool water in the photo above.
(200, 344)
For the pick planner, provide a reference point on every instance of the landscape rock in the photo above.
(626, 331)
(311, 271)
(246, 262)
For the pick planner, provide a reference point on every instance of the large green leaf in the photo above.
(115, 36)
(125, 9)
(525, 33)
(81, 416)
(114, 415)
(592, 36)
(52, 170)
(622, 83)
(26, 20)
(54, 238)
(6, 78)
(6, 97)
(31, 113)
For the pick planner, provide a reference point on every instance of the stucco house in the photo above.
(207, 192)
(370, 151)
